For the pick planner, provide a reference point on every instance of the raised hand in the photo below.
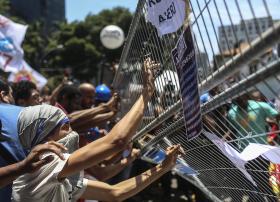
(33, 162)
(148, 77)
(171, 156)
(135, 153)
(112, 104)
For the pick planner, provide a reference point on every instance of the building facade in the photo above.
(244, 32)
(48, 11)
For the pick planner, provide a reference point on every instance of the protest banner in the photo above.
(11, 37)
(184, 60)
(25, 72)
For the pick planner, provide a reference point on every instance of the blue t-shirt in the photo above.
(11, 150)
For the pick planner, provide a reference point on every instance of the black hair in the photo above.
(22, 90)
(69, 92)
(4, 86)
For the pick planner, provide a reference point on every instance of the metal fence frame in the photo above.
(255, 50)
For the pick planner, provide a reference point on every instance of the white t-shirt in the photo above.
(44, 186)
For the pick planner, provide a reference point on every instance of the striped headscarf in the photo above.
(37, 122)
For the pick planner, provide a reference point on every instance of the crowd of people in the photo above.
(249, 118)
(60, 146)
(65, 145)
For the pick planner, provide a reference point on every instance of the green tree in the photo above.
(82, 47)
(4, 7)
(34, 44)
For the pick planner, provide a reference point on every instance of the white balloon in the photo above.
(112, 37)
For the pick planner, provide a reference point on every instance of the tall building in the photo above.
(49, 11)
(244, 32)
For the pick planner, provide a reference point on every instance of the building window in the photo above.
(250, 29)
(44, 7)
(253, 68)
(224, 32)
(230, 43)
(263, 27)
(270, 23)
(257, 27)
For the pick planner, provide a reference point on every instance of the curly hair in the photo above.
(4, 86)
(22, 90)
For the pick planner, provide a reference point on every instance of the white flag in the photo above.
(25, 72)
(11, 37)
(166, 15)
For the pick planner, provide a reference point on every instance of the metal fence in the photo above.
(238, 61)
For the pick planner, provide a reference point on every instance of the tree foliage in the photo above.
(82, 49)
(4, 7)
(34, 44)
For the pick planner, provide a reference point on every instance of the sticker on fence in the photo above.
(157, 155)
(184, 60)
(166, 15)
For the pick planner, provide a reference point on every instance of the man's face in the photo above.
(87, 99)
(7, 97)
(74, 104)
(242, 101)
(34, 99)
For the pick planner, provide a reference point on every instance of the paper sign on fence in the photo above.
(166, 15)
(184, 60)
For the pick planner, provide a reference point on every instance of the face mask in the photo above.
(71, 141)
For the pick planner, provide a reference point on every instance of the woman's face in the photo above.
(60, 132)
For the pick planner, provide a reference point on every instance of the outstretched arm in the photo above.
(97, 120)
(118, 137)
(82, 120)
(103, 192)
(57, 90)
(103, 173)
(31, 163)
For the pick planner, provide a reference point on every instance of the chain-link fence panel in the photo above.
(237, 54)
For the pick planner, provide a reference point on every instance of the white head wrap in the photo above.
(37, 122)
